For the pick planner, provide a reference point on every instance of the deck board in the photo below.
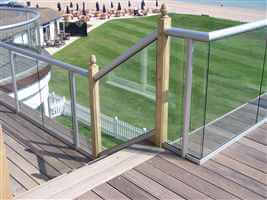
(36, 161)
(244, 169)
(21, 177)
(51, 144)
(170, 182)
(26, 166)
(34, 148)
(253, 144)
(107, 192)
(237, 177)
(16, 186)
(195, 182)
(259, 135)
(129, 189)
(247, 155)
(89, 196)
(150, 186)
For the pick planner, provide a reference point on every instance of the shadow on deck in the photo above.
(35, 155)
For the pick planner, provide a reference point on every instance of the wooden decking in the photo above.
(35, 156)
(142, 172)
(238, 172)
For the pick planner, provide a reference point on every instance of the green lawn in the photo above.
(233, 78)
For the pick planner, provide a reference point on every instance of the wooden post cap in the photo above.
(92, 60)
(164, 10)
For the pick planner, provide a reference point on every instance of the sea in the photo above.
(260, 5)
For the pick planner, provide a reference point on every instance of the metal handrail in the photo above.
(188, 34)
(49, 60)
(139, 46)
(23, 23)
(215, 35)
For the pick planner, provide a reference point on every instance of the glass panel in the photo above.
(60, 106)
(59, 101)
(127, 97)
(5, 72)
(176, 92)
(32, 86)
(178, 74)
(83, 112)
(262, 103)
(233, 87)
(199, 81)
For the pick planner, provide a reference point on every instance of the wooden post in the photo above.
(5, 192)
(94, 107)
(162, 77)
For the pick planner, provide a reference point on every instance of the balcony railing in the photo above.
(215, 78)
(224, 86)
(20, 26)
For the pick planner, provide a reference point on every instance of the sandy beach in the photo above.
(232, 13)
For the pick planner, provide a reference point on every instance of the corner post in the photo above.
(189, 48)
(94, 107)
(75, 124)
(5, 191)
(162, 77)
(14, 81)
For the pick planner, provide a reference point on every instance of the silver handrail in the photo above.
(139, 46)
(215, 35)
(188, 34)
(23, 23)
(220, 34)
(49, 60)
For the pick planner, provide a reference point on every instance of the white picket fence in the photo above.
(109, 125)
(55, 105)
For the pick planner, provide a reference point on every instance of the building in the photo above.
(49, 24)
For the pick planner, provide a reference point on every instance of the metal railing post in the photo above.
(29, 35)
(75, 126)
(14, 82)
(144, 68)
(187, 95)
(162, 79)
(94, 108)
(116, 126)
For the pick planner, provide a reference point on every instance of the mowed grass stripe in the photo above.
(149, 23)
(130, 32)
